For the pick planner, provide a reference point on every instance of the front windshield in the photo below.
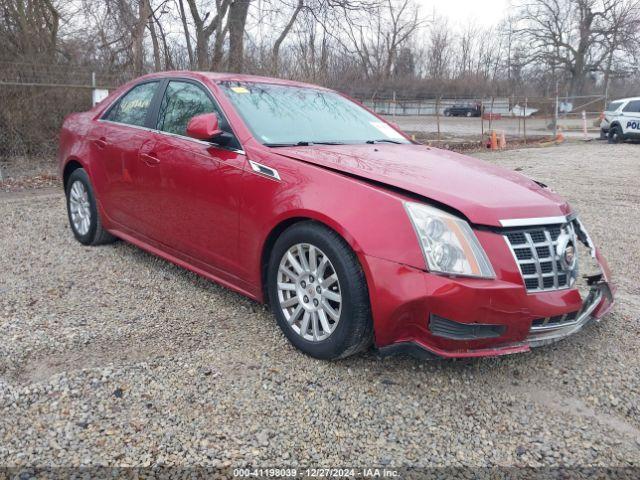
(280, 115)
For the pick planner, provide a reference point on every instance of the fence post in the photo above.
(491, 112)
(394, 103)
(524, 120)
(481, 120)
(555, 116)
(438, 114)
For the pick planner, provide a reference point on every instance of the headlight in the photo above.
(448, 243)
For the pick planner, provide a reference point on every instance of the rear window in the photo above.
(132, 108)
(613, 106)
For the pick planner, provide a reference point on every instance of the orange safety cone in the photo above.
(503, 141)
(559, 136)
(494, 141)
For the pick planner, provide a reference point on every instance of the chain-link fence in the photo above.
(448, 120)
(35, 98)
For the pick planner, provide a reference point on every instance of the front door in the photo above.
(200, 181)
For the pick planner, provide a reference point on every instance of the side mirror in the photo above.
(203, 127)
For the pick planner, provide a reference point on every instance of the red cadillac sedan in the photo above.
(294, 195)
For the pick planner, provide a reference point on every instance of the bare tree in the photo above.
(138, 23)
(439, 49)
(29, 27)
(187, 36)
(622, 39)
(283, 34)
(236, 24)
(572, 36)
(204, 30)
(156, 44)
(378, 41)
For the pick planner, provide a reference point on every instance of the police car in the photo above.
(621, 120)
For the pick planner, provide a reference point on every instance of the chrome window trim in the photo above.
(175, 135)
(532, 222)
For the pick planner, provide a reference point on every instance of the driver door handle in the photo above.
(149, 159)
(101, 143)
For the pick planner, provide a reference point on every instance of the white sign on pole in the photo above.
(98, 95)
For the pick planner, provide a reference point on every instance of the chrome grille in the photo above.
(534, 249)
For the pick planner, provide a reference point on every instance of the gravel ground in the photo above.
(111, 356)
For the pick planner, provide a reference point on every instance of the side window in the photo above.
(633, 106)
(182, 101)
(613, 106)
(133, 107)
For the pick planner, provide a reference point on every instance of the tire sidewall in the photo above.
(81, 175)
(615, 134)
(333, 346)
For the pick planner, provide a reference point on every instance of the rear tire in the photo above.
(333, 337)
(615, 134)
(82, 210)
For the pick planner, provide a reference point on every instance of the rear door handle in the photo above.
(101, 143)
(149, 159)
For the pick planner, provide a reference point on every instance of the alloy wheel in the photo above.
(80, 207)
(309, 292)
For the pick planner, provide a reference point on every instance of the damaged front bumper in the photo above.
(546, 331)
(423, 313)
(551, 331)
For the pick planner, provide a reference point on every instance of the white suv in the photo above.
(621, 120)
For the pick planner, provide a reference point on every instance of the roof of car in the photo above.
(625, 99)
(231, 77)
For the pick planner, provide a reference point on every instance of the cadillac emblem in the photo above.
(566, 251)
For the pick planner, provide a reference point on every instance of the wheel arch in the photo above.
(287, 222)
(70, 166)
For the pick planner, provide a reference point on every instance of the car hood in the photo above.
(483, 192)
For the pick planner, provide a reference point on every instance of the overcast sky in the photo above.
(482, 12)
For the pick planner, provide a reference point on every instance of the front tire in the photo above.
(615, 134)
(318, 292)
(82, 210)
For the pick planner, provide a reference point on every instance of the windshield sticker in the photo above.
(239, 89)
(386, 130)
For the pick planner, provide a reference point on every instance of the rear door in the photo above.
(116, 141)
(200, 182)
(630, 119)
